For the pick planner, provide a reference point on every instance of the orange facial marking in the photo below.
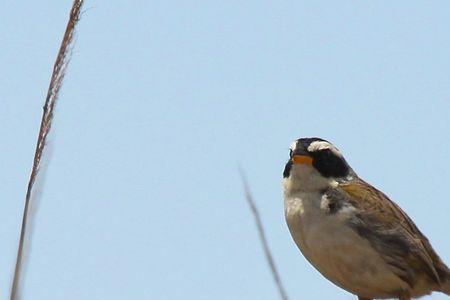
(302, 159)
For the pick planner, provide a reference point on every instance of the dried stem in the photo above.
(59, 69)
(263, 239)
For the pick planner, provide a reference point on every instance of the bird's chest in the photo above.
(323, 235)
(331, 246)
(315, 227)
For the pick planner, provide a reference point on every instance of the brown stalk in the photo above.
(59, 68)
(263, 239)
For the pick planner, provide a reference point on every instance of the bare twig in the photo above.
(59, 69)
(262, 237)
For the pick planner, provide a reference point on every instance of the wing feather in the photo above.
(393, 234)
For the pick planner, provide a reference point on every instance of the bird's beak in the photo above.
(302, 159)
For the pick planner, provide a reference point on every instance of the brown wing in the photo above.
(393, 234)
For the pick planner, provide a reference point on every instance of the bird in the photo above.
(351, 232)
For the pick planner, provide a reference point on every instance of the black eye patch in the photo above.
(329, 165)
(287, 169)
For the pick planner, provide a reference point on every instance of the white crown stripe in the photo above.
(322, 145)
(293, 145)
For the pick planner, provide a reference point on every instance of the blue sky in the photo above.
(164, 99)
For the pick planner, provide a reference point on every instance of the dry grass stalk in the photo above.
(59, 69)
(263, 239)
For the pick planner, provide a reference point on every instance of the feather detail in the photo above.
(446, 287)
(394, 235)
(445, 284)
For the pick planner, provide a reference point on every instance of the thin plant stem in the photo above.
(59, 69)
(262, 237)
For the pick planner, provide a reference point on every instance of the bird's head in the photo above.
(314, 164)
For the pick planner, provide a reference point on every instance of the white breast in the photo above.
(335, 249)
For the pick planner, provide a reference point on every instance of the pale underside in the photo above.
(338, 252)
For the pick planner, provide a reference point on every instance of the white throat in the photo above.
(305, 178)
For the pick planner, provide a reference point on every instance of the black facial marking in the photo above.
(329, 164)
(326, 162)
(305, 142)
(287, 169)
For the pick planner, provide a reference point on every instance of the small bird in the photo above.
(352, 233)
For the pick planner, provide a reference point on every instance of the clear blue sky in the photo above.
(163, 100)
